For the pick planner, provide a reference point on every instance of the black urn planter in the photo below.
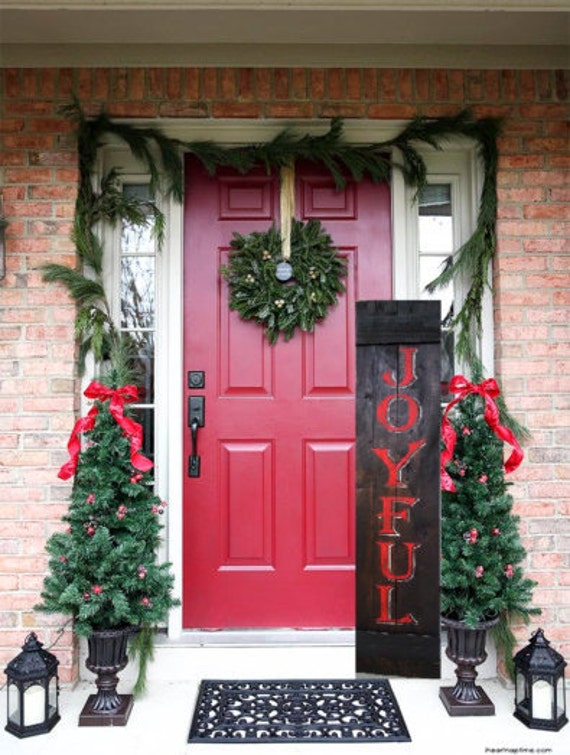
(466, 648)
(107, 656)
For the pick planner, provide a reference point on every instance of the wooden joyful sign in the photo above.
(398, 533)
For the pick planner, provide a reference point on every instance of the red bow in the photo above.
(488, 390)
(132, 430)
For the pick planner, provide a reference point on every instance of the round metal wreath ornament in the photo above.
(281, 299)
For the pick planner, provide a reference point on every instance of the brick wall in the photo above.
(38, 388)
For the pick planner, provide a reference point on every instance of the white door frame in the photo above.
(458, 158)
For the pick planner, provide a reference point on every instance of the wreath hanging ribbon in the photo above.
(488, 390)
(117, 398)
(287, 207)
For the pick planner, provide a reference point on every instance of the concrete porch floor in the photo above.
(160, 720)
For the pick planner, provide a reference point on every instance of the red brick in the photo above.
(423, 76)
(405, 88)
(388, 84)
(370, 83)
(136, 84)
(263, 83)
(235, 110)
(245, 84)
(11, 125)
(341, 110)
(335, 84)
(155, 82)
(457, 86)
(527, 85)
(522, 195)
(29, 141)
(120, 85)
(547, 144)
(317, 83)
(12, 79)
(290, 110)
(440, 85)
(12, 158)
(299, 83)
(545, 178)
(492, 86)
(228, 83)
(66, 82)
(544, 84)
(210, 83)
(184, 110)
(397, 112)
(558, 211)
(192, 87)
(29, 82)
(49, 125)
(521, 161)
(132, 110)
(281, 83)
(173, 83)
(85, 83)
(102, 85)
(509, 84)
(474, 85)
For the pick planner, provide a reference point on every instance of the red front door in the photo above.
(269, 524)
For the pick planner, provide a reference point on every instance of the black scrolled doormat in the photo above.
(291, 710)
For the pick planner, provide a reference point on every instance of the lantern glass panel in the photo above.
(542, 699)
(52, 696)
(521, 691)
(34, 705)
(14, 704)
(560, 698)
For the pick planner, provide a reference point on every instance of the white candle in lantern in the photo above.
(541, 700)
(34, 705)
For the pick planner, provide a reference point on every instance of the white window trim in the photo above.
(457, 164)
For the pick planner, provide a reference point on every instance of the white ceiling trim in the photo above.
(432, 5)
(259, 56)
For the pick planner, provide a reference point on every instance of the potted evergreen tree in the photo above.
(103, 569)
(482, 580)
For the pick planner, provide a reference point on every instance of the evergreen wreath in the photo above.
(281, 306)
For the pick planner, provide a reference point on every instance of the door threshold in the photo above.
(257, 637)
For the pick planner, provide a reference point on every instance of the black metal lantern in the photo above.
(540, 698)
(33, 690)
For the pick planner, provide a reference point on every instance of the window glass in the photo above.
(436, 243)
(137, 292)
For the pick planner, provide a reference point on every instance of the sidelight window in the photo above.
(436, 242)
(137, 308)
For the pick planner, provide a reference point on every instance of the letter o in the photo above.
(383, 411)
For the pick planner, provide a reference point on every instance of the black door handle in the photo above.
(194, 459)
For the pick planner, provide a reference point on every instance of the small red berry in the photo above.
(97, 589)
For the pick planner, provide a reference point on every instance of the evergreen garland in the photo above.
(282, 307)
(94, 327)
(163, 157)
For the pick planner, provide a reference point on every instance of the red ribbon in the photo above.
(131, 429)
(488, 390)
